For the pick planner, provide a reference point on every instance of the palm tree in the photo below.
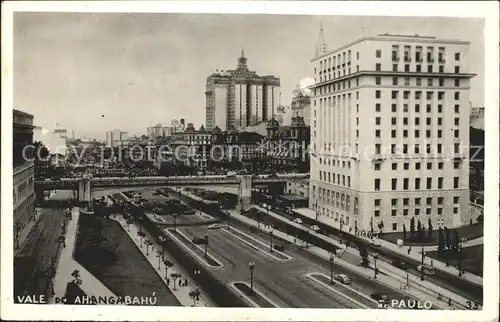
(194, 295)
(175, 276)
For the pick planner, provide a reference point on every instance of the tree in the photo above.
(404, 231)
(381, 226)
(175, 276)
(194, 295)
(447, 241)
(430, 229)
(364, 256)
(412, 227)
(419, 229)
(441, 241)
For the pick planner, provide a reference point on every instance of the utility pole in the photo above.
(422, 269)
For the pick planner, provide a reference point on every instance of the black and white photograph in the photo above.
(200, 157)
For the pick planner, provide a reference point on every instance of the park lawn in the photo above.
(107, 252)
(469, 231)
(472, 262)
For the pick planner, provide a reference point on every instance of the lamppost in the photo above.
(163, 240)
(175, 220)
(168, 264)
(251, 266)
(271, 232)
(307, 238)
(205, 238)
(228, 218)
(375, 256)
(460, 259)
(196, 274)
(422, 266)
(160, 256)
(331, 268)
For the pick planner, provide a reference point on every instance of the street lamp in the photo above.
(331, 268)
(175, 220)
(460, 259)
(196, 274)
(251, 266)
(160, 256)
(271, 232)
(422, 268)
(375, 256)
(228, 218)
(205, 237)
(164, 240)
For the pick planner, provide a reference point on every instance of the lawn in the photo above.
(472, 262)
(469, 231)
(106, 251)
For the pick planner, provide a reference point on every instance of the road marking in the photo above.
(270, 254)
(310, 276)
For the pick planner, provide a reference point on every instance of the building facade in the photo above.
(390, 127)
(299, 187)
(24, 170)
(301, 106)
(240, 98)
(116, 138)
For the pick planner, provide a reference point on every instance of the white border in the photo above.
(488, 10)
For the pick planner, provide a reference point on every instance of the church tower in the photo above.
(320, 48)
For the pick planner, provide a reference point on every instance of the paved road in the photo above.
(441, 279)
(39, 249)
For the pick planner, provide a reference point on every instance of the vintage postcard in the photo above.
(225, 161)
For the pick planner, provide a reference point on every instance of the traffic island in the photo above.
(254, 297)
(257, 245)
(194, 249)
(359, 299)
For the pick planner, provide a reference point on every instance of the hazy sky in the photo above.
(141, 69)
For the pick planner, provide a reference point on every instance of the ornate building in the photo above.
(286, 147)
(240, 98)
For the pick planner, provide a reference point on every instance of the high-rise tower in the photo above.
(321, 47)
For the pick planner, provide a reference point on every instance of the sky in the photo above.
(140, 69)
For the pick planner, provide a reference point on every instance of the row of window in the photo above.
(418, 68)
(330, 178)
(418, 95)
(334, 163)
(418, 81)
(406, 166)
(417, 183)
(416, 212)
(418, 53)
(428, 108)
(417, 201)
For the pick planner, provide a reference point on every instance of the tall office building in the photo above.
(390, 131)
(116, 138)
(24, 171)
(240, 98)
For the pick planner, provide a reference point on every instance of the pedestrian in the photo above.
(432, 262)
(180, 282)
(168, 282)
(186, 282)
(409, 250)
(449, 301)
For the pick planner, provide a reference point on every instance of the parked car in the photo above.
(315, 228)
(279, 247)
(198, 241)
(400, 264)
(342, 278)
(214, 226)
(380, 297)
(298, 221)
(375, 242)
(428, 270)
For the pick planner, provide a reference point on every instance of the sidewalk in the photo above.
(395, 248)
(417, 291)
(181, 293)
(469, 243)
(66, 265)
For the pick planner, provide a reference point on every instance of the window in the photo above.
(457, 69)
(440, 108)
(440, 165)
(376, 213)
(377, 184)
(440, 121)
(394, 212)
(377, 94)
(456, 165)
(440, 200)
(417, 121)
(428, 201)
(440, 134)
(377, 202)
(417, 108)
(407, 67)
(440, 183)
(441, 70)
(417, 212)
(429, 68)
(429, 82)
(394, 184)
(441, 80)
(455, 210)
(428, 133)
(377, 166)
(419, 81)
(406, 201)
(428, 108)
(457, 95)
(407, 81)
(457, 56)
(394, 67)
(378, 53)
(428, 95)
(394, 81)
(394, 166)
(405, 183)
(406, 166)
(377, 107)
(457, 121)
(428, 120)
(377, 120)
(406, 95)
(417, 148)
(394, 108)
(418, 95)
(455, 183)
(405, 121)
(405, 108)
(405, 133)
(378, 67)
(377, 133)
(440, 211)
(394, 226)
(393, 121)
(393, 133)
(417, 133)
(456, 199)
(428, 211)
(457, 108)
(429, 183)
(405, 212)
(378, 80)
(417, 166)
(457, 82)
(440, 95)
(394, 94)
(394, 202)
(419, 68)
(429, 165)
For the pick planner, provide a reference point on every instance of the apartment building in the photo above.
(390, 132)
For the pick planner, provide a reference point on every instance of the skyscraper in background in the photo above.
(240, 98)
